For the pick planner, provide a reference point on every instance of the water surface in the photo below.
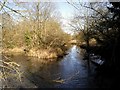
(69, 72)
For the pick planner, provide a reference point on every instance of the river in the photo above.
(69, 72)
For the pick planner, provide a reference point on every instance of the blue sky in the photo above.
(67, 12)
(65, 9)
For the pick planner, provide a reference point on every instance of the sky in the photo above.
(67, 11)
(63, 7)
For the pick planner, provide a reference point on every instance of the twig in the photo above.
(10, 9)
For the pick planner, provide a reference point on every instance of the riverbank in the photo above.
(49, 53)
(33, 60)
(70, 72)
(41, 53)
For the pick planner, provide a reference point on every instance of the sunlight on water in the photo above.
(70, 71)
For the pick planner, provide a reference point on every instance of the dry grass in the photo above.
(49, 53)
(14, 51)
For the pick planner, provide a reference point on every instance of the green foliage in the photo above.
(27, 38)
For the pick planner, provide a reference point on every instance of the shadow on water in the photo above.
(69, 72)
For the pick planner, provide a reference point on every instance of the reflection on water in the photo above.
(71, 69)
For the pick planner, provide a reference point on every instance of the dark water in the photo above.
(69, 72)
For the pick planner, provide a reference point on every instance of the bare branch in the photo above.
(95, 11)
(3, 5)
(73, 5)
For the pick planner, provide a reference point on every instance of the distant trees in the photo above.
(89, 17)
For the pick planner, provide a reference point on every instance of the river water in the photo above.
(69, 72)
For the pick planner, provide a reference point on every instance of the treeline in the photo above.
(37, 26)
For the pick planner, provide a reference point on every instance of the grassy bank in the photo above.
(42, 53)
